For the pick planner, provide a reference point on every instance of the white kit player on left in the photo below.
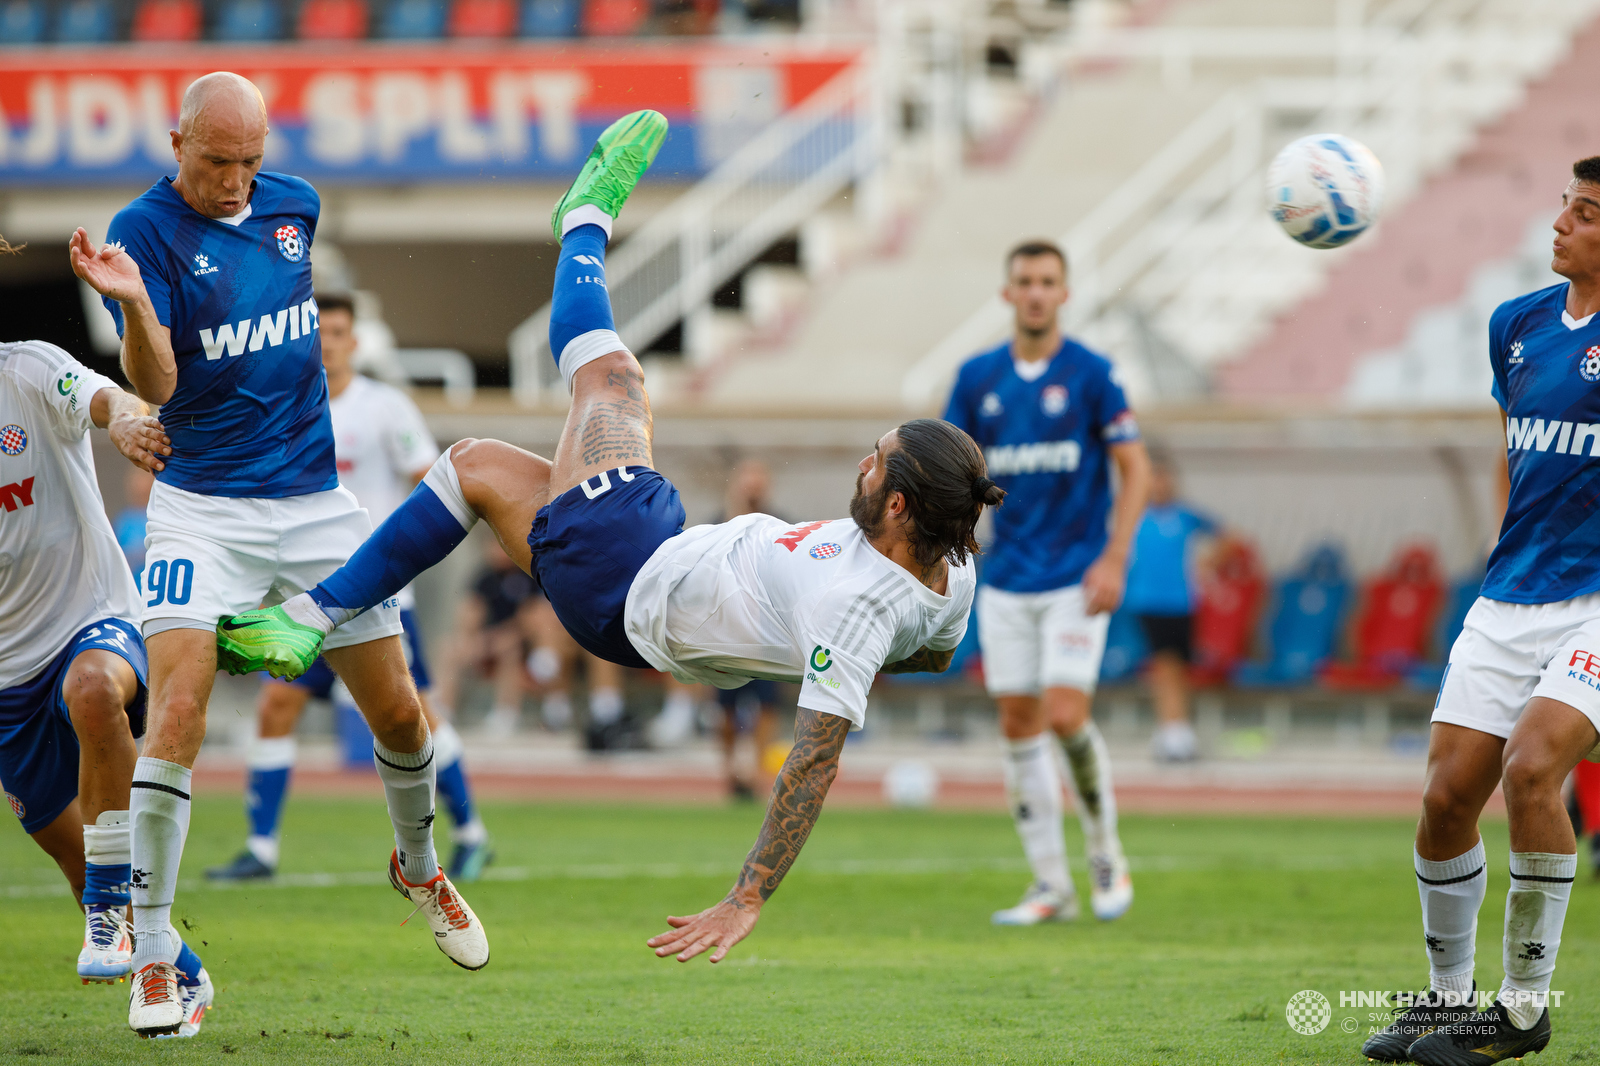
(72, 664)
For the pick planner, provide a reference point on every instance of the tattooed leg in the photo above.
(609, 424)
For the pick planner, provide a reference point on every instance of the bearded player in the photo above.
(1053, 422)
(72, 667)
(208, 276)
(827, 605)
(1520, 702)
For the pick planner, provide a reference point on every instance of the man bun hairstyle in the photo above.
(941, 472)
(1587, 170)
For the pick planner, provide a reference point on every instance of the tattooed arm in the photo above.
(797, 798)
(921, 661)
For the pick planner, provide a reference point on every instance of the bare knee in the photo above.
(278, 709)
(95, 696)
(1021, 717)
(1529, 772)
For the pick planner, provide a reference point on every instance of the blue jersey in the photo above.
(1160, 580)
(249, 416)
(1547, 381)
(1046, 442)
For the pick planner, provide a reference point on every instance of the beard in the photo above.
(866, 510)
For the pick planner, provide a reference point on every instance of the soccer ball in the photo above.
(911, 783)
(1325, 190)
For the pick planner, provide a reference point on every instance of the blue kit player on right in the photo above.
(1519, 706)
(1052, 420)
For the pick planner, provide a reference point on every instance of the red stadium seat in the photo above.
(614, 18)
(167, 20)
(333, 20)
(483, 18)
(1393, 627)
(1225, 617)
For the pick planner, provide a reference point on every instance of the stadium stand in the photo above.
(333, 20)
(86, 22)
(1226, 615)
(482, 18)
(167, 21)
(413, 20)
(550, 18)
(22, 22)
(243, 21)
(1394, 626)
(1304, 632)
(614, 18)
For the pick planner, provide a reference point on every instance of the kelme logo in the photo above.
(821, 658)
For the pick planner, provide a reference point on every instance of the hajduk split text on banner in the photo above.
(401, 113)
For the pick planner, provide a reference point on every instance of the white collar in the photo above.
(1030, 371)
(234, 220)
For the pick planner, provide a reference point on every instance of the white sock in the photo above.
(544, 665)
(585, 348)
(109, 842)
(1090, 766)
(1536, 907)
(408, 784)
(446, 484)
(471, 833)
(447, 746)
(1033, 785)
(271, 753)
(586, 215)
(605, 705)
(264, 849)
(1452, 893)
(303, 609)
(159, 812)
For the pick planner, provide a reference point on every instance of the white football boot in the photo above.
(1040, 904)
(154, 1006)
(107, 954)
(1111, 887)
(456, 929)
(197, 999)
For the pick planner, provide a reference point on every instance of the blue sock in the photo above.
(263, 800)
(188, 965)
(453, 789)
(420, 532)
(580, 302)
(355, 737)
(106, 886)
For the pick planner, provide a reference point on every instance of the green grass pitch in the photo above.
(876, 950)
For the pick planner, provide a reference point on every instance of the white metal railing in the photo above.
(1185, 246)
(667, 271)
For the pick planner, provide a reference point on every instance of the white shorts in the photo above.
(207, 557)
(1037, 640)
(1508, 653)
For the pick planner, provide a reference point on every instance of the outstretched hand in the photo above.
(109, 270)
(718, 927)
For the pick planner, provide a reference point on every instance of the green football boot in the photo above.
(619, 159)
(267, 639)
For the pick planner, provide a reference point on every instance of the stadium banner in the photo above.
(400, 113)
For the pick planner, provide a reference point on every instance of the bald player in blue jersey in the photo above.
(208, 275)
(1520, 702)
(1052, 420)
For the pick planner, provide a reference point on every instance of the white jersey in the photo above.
(60, 567)
(379, 441)
(815, 604)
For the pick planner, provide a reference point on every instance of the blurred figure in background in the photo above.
(1161, 593)
(553, 664)
(129, 523)
(487, 637)
(382, 448)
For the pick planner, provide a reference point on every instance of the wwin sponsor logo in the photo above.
(1566, 438)
(1048, 457)
(270, 330)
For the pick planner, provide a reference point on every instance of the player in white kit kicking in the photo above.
(1052, 421)
(382, 447)
(72, 665)
(209, 278)
(826, 604)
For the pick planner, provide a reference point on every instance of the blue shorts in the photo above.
(764, 691)
(589, 544)
(38, 746)
(320, 678)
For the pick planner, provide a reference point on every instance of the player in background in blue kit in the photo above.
(1052, 421)
(208, 276)
(1520, 702)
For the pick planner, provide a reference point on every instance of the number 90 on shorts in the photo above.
(168, 582)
